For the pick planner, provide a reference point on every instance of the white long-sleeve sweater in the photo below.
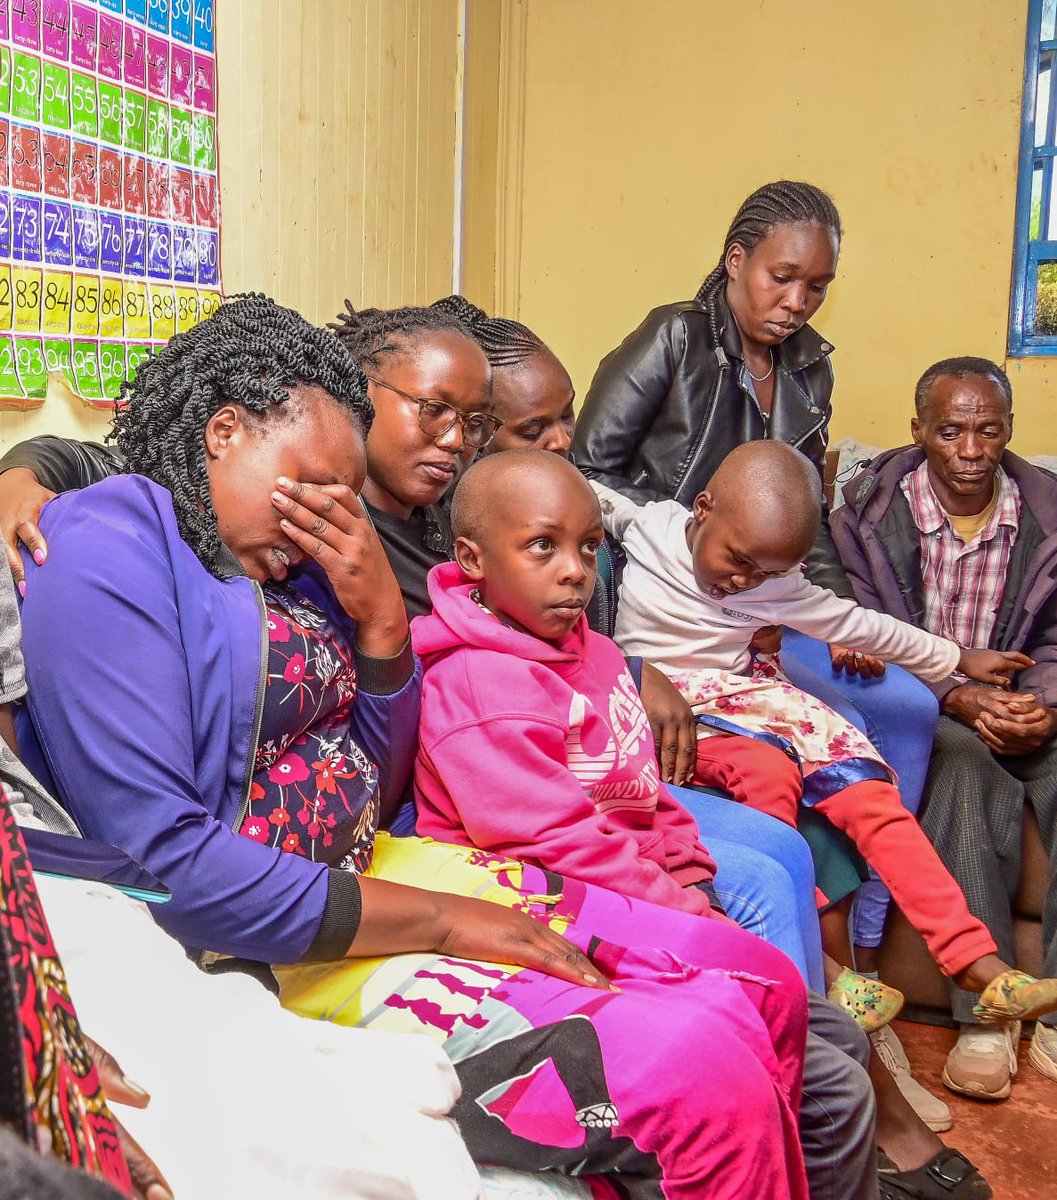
(665, 618)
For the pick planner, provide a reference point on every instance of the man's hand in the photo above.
(147, 1181)
(855, 662)
(673, 725)
(1012, 723)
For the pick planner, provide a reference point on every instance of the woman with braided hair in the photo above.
(739, 363)
(220, 683)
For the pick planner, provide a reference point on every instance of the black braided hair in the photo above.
(785, 202)
(369, 333)
(505, 343)
(250, 352)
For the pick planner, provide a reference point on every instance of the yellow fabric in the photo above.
(968, 528)
(354, 991)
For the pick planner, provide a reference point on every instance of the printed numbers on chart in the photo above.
(188, 309)
(162, 313)
(137, 309)
(55, 20)
(57, 292)
(86, 299)
(57, 225)
(110, 298)
(57, 295)
(5, 297)
(32, 369)
(56, 88)
(27, 291)
(26, 10)
(111, 320)
(86, 305)
(210, 304)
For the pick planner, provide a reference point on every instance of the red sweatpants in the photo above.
(873, 816)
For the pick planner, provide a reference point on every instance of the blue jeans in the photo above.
(765, 878)
(897, 713)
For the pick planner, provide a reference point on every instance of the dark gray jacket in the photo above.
(880, 547)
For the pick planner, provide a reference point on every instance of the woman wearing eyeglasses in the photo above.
(429, 383)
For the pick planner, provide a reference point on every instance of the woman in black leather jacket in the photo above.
(737, 363)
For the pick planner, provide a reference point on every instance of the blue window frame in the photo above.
(1033, 310)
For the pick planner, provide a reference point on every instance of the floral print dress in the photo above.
(314, 791)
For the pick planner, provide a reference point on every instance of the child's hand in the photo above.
(767, 640)
(993, 666)
(673, 725)
(855, 662)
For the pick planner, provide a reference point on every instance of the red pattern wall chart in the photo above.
(109, 201)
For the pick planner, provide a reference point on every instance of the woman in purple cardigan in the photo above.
(220, 683)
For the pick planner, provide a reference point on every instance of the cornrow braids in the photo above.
(505, 343)
(250, 352)
(784, 202)
(370, 333)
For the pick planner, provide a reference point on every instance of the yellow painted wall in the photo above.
(337, 162)
(646, 122)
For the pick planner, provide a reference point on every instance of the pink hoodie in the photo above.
(544, 752)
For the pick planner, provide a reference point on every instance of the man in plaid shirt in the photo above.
(959, 536)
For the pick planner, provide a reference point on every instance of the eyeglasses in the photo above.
(436, 418)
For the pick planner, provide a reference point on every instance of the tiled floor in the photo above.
(1014, 1144)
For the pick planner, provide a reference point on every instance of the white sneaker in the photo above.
(930, 1108)
(983, 1061)
(1042, 1053)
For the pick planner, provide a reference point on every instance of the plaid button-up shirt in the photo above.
(963, 581)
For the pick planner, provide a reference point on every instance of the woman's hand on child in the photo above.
(328, 522)
(993, 666)
(21, 499)
(855, 662)
(491, 933)
(673, 725)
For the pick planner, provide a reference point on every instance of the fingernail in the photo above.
(590, 978)
(157, 1191)
(39, 556)
(278, 497)
(283, 481)
(135, 1088)
(22, 588)
(284, 522)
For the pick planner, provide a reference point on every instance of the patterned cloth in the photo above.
(963, 582)
(831, 752)
(314, 791)
(565, 1078)
(50, 1090)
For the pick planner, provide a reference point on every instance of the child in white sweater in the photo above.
(697, 586)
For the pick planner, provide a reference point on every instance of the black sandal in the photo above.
(948, 1176)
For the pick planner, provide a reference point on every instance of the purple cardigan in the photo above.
(880, 548)
(146, 677)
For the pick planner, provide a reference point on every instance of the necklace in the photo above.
(761, 378)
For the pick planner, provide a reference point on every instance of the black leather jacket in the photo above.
(62, 464)
(667, 406)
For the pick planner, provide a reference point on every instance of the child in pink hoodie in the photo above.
(533, 741)
(521, 699)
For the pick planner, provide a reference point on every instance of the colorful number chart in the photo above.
(109, 203)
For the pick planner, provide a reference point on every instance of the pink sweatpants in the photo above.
(873, 816)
